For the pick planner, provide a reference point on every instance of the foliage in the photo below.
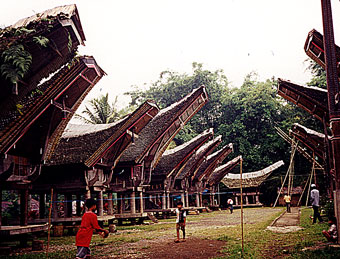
(41, 40)
(319, 75)
(101, 111)
(16, 61)
(244, 116)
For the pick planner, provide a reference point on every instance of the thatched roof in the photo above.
(62, 27)
(314, 49)
(47, 112)
(311, 99)
(157, 135)
(212, 161)
(312, 133)
(61, 12)
(198, 158)
(219, 173)
(88, 143)
(174, 158)
(253, 179)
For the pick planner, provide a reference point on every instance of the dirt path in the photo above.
(287, 222)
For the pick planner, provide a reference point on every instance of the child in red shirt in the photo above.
(89, 223)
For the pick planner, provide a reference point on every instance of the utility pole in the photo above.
(333, 97)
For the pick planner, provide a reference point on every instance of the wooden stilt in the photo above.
(168, 205)
(23, 207)
(198, 200)
(78, 205)
(164, 201)
(110, 204)
(187, 198)
(133, 202)
(42, 205)
(54, 204)
(0, 207)
(100, 202)
(141, 202)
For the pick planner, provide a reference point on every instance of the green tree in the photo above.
(172, 86)
(318, 75)
(100, 111)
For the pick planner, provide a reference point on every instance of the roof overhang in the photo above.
(47, 116)
(314, 48)
(222, 170)
(213, 161)
(313, 140)
(311, 99)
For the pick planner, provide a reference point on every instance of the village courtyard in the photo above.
(210, 235)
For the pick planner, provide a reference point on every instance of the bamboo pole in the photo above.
(310, 183)
(284, 181)
(241, 192)
(304, 188)
(49, 223)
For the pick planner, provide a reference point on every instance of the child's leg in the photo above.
(177, 229)
(327, 235)
(183, 230)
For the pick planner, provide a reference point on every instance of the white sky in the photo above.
(134, 40)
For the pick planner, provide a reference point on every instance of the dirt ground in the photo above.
(200, 243)
(166, 248)
(205, 238)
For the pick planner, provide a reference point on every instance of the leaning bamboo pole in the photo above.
(284, 181)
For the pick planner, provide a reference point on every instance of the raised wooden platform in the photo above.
(19, 230)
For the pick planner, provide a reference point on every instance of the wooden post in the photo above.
(332, 92)
(183, 199)
(100, 202)
(49, 222)
(23, 207)
(197, 200)
(201, 199)
(120, 203)
(42, 204)
(141, 202)
(133, 202)
(78, 204)
(236, 200)
(168, 205)
(187, 198)
(241, 207)
(164, 200)
(257, 199)
(0, 207)
(247, 200)
(54, 204)
(110, 204)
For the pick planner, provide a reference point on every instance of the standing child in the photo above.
(89, 223)
(287, 199)
(180, 221)
(230, 205)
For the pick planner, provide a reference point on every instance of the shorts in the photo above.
(180, 225)
(83, 252)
